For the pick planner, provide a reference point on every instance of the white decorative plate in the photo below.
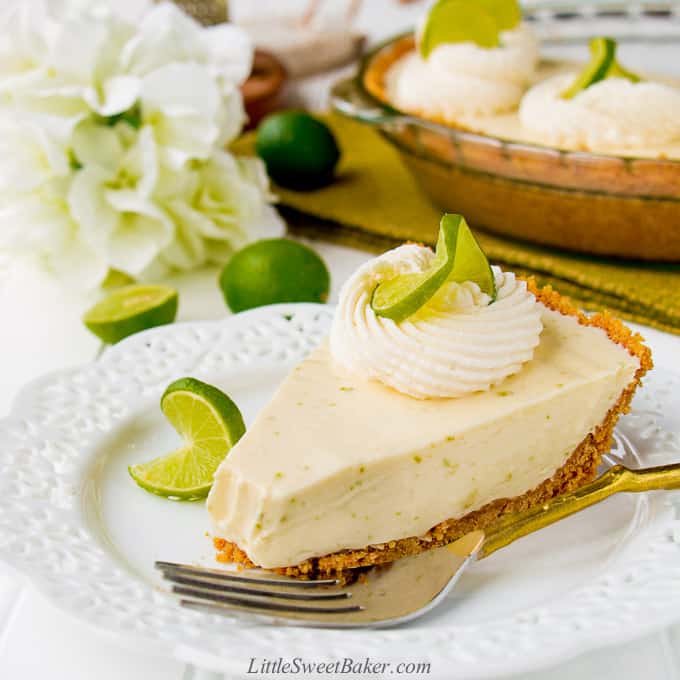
(73, 521)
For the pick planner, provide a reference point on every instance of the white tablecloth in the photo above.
(41, 331)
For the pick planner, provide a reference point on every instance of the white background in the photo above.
(40, 331)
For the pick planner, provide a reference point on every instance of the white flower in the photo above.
(111, 197)
(183, 104)
(35, 176)
(39, 223)
(112, 142)
(33, 150)
(24, 41)
(217, 208)
(168, 35)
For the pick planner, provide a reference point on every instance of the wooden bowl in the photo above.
(262, 91)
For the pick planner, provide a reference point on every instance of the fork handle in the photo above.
(618, 478)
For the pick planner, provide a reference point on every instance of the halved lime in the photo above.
(131, 309)
(452, 21)
(458, 258)
(603, 64)
(210, 424)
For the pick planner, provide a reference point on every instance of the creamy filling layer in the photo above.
(336, 461)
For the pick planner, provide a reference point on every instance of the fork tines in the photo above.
(275, 594)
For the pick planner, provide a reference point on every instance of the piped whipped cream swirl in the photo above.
(612, 114)
(456, 344)
(463, 79)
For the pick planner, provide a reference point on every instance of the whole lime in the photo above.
(300, 152)
(271, 271)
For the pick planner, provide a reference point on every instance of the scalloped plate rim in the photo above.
(37, 577)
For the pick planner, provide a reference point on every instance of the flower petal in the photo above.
(117, 94)
(95, 144)
(166, 34)
(89, 207)
(230, 52)
(183, 104)
(136, 242)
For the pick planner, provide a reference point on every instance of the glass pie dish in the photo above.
(594, 203)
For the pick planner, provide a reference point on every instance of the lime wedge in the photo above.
(471, 263)
(507, 13)
(453, 21)
(131, 309)
(618, 71)
(602, 64)
(458, 258)
(210, 424)
(602, 55)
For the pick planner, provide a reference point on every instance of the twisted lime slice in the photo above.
(507, 13)
(131, 309)
(618, 71)
(210, 424)
(458, 257)
(452, 21)
(602, 64)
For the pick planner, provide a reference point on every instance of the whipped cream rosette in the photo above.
(603, 107)
(456, 344)
(462, 79)
(613, 113)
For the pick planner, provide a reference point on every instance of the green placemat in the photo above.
(376, 203)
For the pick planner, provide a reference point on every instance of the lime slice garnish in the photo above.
(453, 21)
(131, 309)
(602, 64)
(618, 71)
(471, 263)
(458, 257)
(507, 13)
(210, 424)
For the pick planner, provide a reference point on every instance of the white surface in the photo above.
(40, 331)
(609, 573)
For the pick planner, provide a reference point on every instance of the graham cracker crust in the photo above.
(580, 468)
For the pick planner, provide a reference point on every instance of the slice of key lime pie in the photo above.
(448, 394)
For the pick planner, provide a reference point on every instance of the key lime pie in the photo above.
(583, 157)
(448, 394)
(474, 65)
